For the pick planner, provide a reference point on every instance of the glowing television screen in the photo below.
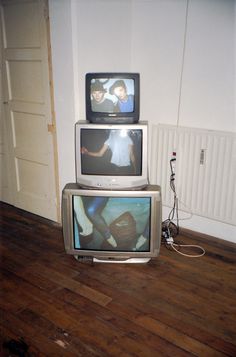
(111, 156)
(112, 97)
(112, 226)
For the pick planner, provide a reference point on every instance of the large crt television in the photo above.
(112, 97)
(112, 226)
(111, 156)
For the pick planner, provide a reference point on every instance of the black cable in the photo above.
(170, 230)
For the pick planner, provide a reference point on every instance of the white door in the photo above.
(29, 137)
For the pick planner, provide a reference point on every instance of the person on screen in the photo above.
(81, 217)
(122, 149)
(125, 102)
(93, 207)
(99, 102)
(143, 238)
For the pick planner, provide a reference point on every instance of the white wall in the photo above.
(208, 94)
(63, 82)
(183, 50)
(103, 35)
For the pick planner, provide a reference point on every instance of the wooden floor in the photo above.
(172, 306)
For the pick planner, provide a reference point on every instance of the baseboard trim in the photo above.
(205, 237)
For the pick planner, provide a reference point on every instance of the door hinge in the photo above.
(45, 10)
(51, 128)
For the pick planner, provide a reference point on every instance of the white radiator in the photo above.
(205, 170)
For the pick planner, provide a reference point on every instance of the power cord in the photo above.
(173, 245)
(170, 230)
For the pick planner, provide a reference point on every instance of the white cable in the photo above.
(173, 245)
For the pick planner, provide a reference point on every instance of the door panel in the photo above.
(28, 110)
(25, 80)
(23, 18)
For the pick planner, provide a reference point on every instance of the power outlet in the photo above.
(202, 156)
(173, 162)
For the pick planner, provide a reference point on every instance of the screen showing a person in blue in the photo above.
(112, 95)
(111, 223)
(125, 102)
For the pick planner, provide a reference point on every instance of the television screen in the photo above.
(112, 225)
(112, 97)
(111, 155)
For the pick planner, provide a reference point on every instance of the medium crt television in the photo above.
(111, 156)
(112, 226)
(112, 97)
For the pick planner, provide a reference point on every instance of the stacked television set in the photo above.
(111, 213)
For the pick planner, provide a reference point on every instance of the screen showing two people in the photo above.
(113, 152)
(112, 95)
(112, 223)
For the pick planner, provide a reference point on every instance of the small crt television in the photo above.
(112, 97)
(112, 226)
(111, 156)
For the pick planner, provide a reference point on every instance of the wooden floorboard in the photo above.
(172, 306)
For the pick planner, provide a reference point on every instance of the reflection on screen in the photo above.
(111, 223)
(114, 152)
